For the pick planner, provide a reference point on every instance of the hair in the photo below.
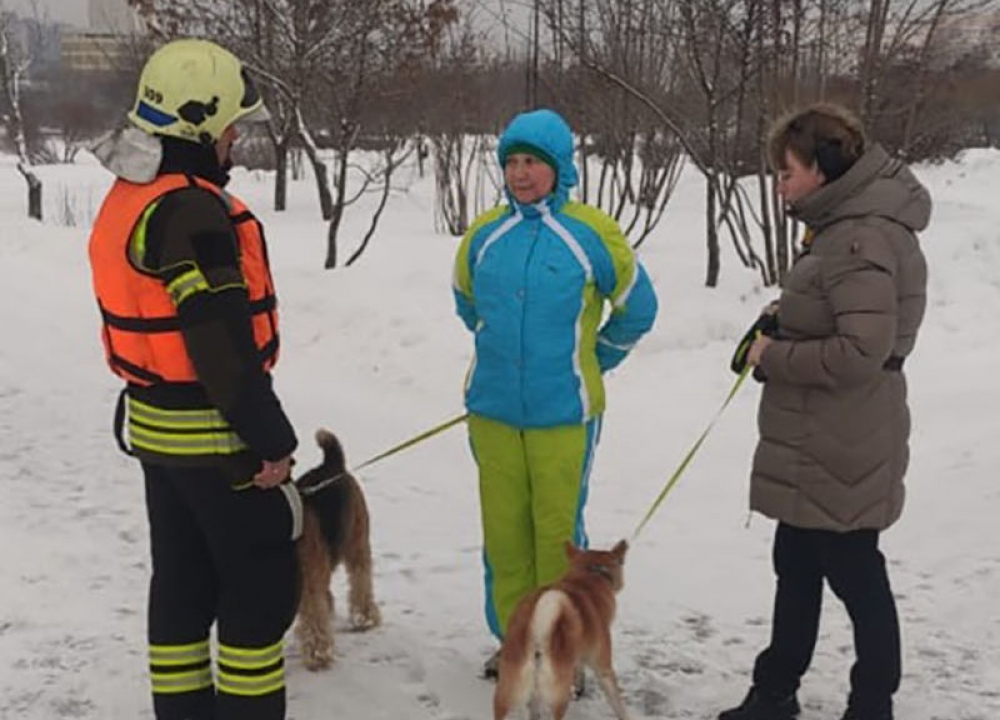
(824, 134)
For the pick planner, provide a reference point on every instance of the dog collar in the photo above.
(603, 571)
(322, 484)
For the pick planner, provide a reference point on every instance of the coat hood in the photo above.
(876, 185)
(547, 131)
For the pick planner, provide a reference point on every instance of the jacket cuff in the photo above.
(258, 418)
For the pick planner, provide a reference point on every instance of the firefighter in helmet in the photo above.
(189, 321)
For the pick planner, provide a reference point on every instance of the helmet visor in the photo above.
(252, 110)
(258, 115)
(251, 96)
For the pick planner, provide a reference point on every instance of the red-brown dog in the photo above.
(557, 628)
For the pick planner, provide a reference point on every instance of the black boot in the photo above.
(579, 683)
(852, 713)
(757, 706)
(491, 668)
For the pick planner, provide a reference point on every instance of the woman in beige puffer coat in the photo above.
(833, 418)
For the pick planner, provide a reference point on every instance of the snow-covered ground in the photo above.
(374, 353)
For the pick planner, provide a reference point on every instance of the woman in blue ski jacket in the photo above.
(533, 279)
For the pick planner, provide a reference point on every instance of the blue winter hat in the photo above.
(546, 131)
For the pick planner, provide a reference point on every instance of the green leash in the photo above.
(692, 452)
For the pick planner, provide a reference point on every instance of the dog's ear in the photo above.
(571, 550)
(620, 549)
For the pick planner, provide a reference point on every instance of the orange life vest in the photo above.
(141, 330)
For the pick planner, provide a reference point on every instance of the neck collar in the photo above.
(549, 204)
(533, 210)
(190, 158)
(603, 571)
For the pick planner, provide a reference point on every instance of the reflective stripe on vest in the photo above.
(141, 330)
(180, 432)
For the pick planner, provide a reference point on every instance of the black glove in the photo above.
(767, 324)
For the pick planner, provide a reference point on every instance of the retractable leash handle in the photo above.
(766, 324)
(746, 370)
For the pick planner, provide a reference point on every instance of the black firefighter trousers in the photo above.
(854, 567)
(222, 556)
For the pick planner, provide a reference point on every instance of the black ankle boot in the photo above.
(757, 706)
(491, 668)
(852, 713)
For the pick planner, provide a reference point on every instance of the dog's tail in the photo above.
(546, 643)
(334, 460)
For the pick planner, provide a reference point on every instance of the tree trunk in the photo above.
(281, 175)
(917, 99)
(386, 189)
(319, 167)
(34, 192)
(712, 234)
(322, 184)
(422, 154)
(11, 71)
(337, 209)
(871, 59)
(331, 238)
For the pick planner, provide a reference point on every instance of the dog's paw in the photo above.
(367, 618)
(317, 658)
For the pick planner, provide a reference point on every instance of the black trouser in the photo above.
(225, 556)
(855, 569)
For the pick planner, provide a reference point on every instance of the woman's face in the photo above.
(796, 180)
(528, 178)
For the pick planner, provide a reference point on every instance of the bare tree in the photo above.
(649, 85)
(285, 42)
(465, 179)
(78, 105)
(326, 65)
(291, 39)
(901, 32)
(394, 154)
(897, 94)
(640, 157)
(367, 84)
(464, 166)
(694, 77)
(14, 63)
(716, 56)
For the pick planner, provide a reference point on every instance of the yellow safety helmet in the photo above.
(193, 90)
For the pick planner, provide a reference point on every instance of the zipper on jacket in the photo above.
(524, 313)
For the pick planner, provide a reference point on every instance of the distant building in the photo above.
(106, 44)
(94, 52)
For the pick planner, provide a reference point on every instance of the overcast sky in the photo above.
(490, 15)
(75, 11)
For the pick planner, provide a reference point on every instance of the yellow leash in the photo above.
(691, 453)
(670, 484)
(436, 430)
(414, 441)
